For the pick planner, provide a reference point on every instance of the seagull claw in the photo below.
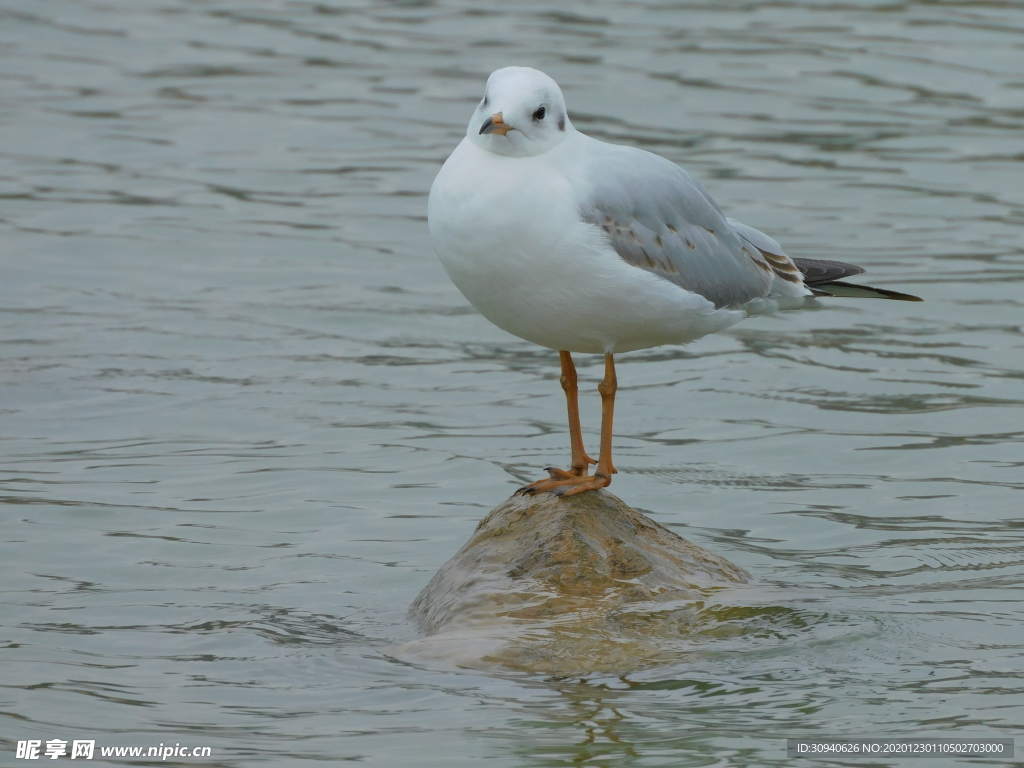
(562, 483)
(594, 482)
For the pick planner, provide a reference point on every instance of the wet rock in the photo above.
(566, 585)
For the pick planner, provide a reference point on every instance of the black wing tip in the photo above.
(821, 276)
(818, 272)
(881, 293)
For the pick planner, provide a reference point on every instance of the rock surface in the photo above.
(566, 585)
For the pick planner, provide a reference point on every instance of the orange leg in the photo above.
(580, 461)
(605, 469)
(577, 480)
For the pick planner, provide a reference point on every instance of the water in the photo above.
(245, 416)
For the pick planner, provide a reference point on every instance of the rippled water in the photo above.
(245, 416)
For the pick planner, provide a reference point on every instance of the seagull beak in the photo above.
(496, 125)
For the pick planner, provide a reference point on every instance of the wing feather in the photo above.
(781, 264)
(658, 218)
(822, 272)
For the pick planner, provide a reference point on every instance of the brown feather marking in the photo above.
(783, 267)
(788, 277)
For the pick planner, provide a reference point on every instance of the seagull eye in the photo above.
(486, 101)
(539, 114)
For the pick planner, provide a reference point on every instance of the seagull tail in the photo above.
(825, 278)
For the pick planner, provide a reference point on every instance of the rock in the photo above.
(565, 585)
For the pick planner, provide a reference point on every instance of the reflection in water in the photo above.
(245, 416)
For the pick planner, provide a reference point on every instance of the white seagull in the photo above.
(583, 246)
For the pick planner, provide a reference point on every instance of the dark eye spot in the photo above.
(539, 114)
(486, 100)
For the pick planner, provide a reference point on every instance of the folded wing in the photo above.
(658, 218)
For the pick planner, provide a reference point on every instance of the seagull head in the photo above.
(521, 114)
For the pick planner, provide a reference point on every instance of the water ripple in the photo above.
(246, 416)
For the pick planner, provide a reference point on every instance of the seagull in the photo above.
(583, 246)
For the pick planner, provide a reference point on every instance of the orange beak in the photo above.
(496, 125)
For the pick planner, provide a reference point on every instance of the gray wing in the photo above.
(658, 218)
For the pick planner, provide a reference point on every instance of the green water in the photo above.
(244, 415)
